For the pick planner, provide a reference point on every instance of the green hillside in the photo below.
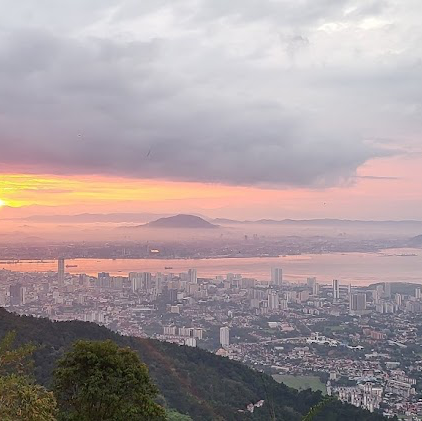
(191, 381)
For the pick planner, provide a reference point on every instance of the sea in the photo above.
(392, 265)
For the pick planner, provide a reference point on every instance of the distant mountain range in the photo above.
(181, 221)
(319, 222)
(141, 217)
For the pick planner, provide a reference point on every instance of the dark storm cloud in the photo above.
(116, 95)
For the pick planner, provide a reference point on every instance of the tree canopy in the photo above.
(99, 381)
(20, 398)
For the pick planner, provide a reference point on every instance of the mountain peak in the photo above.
(180, 221)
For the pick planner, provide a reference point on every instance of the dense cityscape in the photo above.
(211, 210)
(362, 344)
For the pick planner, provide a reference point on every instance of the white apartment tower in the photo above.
(224, 336)
(273, 300)
(336, 290)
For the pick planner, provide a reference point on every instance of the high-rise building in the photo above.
(224, 336)
(116, 282)
(336, 290)
(135, 280)
(273, 300)
(104, 280)
(146, 281)
(17, 294)
(190, 342)
(399, 299)
(387, 289)
(283, 305)
(192, 276)
(311, 282)
(247, 283)
(172, 295)
(276, 276)
(357, 303)
(375, 296)
(418, 293)
(313, 286)
(303, 296)
(140, 281)
(60, 272)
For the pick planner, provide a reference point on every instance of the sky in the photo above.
(242, 109)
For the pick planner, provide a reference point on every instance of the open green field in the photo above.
(301, 382)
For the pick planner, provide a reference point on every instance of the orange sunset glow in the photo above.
(374, 185)
(211, 210)
(255, 119)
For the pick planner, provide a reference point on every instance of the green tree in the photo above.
(176, 416)
(99, 381)
(24, 401)
(15, 360)
(315, 410)
(20, 399)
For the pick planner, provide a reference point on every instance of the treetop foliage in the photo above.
(100, 381)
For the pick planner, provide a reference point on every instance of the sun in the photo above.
(2, 203)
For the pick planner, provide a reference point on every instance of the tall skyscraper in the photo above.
(357, 303)
(418, 293)
(146, 281)
(192, 276)
(387, 289)
(60, 272)
(276, 276)
(336, 290)
(224, 336)
(17, 294)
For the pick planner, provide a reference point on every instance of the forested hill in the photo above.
(191, 381)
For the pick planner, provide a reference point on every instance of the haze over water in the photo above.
(393, 265)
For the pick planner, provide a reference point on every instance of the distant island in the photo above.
(180, 221)
(416, 241)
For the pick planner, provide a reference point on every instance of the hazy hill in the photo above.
(319, 222)
(416, 241)
(180, 221)
(192, 381)
(404, 288)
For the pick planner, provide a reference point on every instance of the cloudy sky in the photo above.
(240, 108)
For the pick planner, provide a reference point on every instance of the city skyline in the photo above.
(211, 210)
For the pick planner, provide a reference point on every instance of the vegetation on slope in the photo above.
(98, 381)
(20, 398)
(191, 381)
